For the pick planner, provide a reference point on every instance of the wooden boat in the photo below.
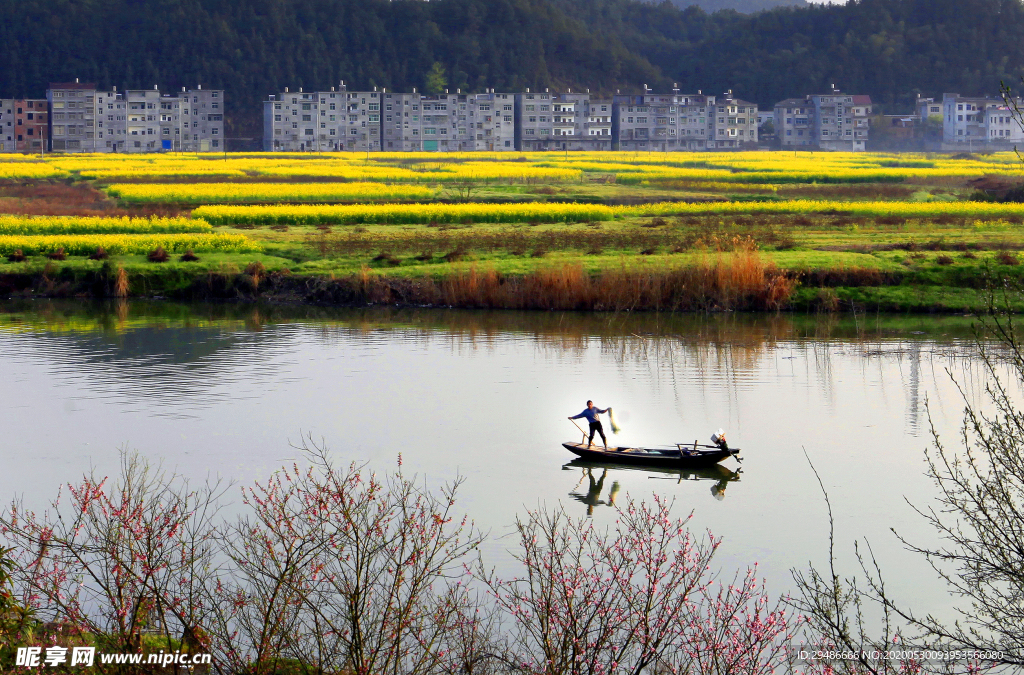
(680, 457)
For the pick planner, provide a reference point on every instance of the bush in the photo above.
(158, 255)
(1007, 258)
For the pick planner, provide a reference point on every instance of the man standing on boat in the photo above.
(592, 413)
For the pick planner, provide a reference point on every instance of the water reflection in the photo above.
(594, 474)
(223, 389)
(169, 353)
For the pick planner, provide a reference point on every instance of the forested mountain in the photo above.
(743, 6)
(890, 49)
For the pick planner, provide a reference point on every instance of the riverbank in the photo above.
(740, 281)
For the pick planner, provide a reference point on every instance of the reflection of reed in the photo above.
(676, 351)
(121, 311)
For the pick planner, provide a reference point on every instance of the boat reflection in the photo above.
(594, 474)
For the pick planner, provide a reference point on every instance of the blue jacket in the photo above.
(591, 414)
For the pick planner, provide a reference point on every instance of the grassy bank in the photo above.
(678, 231)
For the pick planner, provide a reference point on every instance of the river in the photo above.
(228, 391)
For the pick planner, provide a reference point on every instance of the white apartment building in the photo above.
(599, 114)
(837, 127)
(7, 129)
(449, 122)
(663, 122)
(201, 118)
(403, 125)
(560, 121)
(325, 121)
(834, 121)
(75, 109)
(979, 123)
(733, 124)
(794, 123)
(84, 119)
(492, 125)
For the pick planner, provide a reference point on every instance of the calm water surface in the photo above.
(227, 391)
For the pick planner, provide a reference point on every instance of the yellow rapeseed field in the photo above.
(30, 225)
(315, 214)
(124, 244)
(254, 193)
(874, 209)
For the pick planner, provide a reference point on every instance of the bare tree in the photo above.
(979, 517)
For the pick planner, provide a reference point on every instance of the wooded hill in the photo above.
(890, 49)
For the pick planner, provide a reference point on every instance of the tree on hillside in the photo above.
(436, 79)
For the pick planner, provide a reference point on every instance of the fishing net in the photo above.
(611, 420)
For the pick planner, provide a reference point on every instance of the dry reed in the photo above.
(739, 281)
(121, 287)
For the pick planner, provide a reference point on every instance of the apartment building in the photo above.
(862, 111)
(325, 121)
(794, 123)
(191, 120)
(837, 126)
(490, 121)
(834, 121)
(142, 125)
(7, 132)
(663, 122)
(73, 108)
(733, 124)
(84, 119)
(925, 108)
(31, 124)
(492, 126)
(979, 122)
(449, 122)
(559, 121)
(358, 123)
(403, 125)
(24, 125)
(599, 116)
(201, 120)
